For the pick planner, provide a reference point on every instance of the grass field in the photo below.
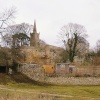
(25, 91)
(19, 88)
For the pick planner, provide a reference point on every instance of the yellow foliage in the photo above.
(48, 69)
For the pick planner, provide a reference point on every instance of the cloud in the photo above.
(51, 15)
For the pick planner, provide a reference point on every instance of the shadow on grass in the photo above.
(22, 78)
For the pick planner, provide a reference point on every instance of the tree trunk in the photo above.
(72, 49)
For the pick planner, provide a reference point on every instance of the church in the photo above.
(34, 37)
(40, 52)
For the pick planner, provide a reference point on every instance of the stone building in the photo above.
(44, 53)
(34, 37)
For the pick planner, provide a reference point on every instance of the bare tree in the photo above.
(6, 18)
(70, 35)
(19, 28)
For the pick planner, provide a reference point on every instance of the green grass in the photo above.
(87, 91)
(20, 87)
(33, 91)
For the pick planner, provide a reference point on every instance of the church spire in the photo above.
(34, 28)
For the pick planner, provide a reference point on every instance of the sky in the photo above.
(52, 15)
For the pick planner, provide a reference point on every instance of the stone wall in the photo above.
(33, 71)
(36, 72)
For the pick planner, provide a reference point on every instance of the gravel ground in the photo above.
(74, 80)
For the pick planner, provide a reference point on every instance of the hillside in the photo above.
(18, 78)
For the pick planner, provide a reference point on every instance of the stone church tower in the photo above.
(34, 37)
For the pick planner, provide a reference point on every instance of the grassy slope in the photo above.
(25, 87)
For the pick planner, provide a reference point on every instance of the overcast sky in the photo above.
(51, 15)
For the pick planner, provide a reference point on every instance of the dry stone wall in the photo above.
(35, 72)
